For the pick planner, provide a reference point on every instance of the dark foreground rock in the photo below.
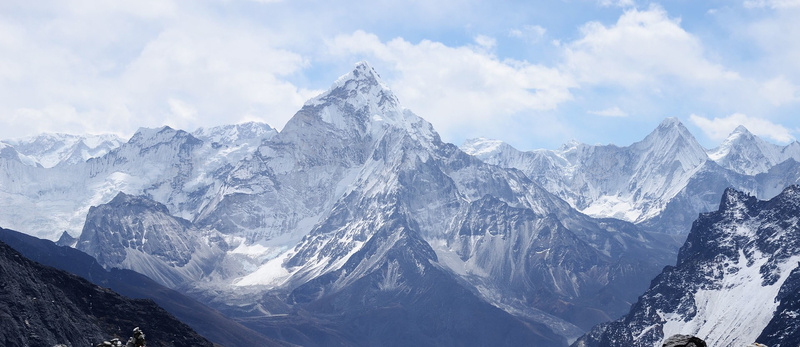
(43, 306)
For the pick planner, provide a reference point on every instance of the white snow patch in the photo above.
(614, 207)
(737, 313)
(271, 274)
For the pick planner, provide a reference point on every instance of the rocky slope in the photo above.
(42, 306)
(734, 281)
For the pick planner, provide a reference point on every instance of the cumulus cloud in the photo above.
(779, 91)
(641, 48)
(719, 128)
(116, 66)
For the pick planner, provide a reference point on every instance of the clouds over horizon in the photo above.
(76, 66)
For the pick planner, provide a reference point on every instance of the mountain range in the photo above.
(357, 225)
(660, 183)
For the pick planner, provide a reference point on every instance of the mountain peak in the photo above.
(670, 122)
(734, 199)
(748, 154)
(360, 101)
(741, 130)
(362, 75)
(671, 126)
(364, 83)
(671, 132)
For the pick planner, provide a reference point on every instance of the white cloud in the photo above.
(641, 48)
(457, 88)
(115, 66)
(719, 128)
(610, 112)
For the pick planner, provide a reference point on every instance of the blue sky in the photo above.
(533, 73)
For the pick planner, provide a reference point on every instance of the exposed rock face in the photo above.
(139, 234)
(684, 341)
(735, 281)
(42, 306)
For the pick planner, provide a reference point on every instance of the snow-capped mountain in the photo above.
(49, 150)
(660, 183)
(734, 283)
(632, 183)
(747, 154)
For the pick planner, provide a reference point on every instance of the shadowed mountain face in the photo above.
(43, 306)
(735, 281)
(206, 321)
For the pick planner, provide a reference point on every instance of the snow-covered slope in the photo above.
(49, 150)
(737, 267)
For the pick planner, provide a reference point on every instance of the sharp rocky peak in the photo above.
(741, 130)
(362, 81)
(361, 89)
(671, 128)
(739, 135)
(359, 105)
(672, 141)
(733, 198)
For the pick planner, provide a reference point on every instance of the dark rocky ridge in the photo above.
(43, 306)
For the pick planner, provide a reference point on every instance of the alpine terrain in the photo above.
(735, 281)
